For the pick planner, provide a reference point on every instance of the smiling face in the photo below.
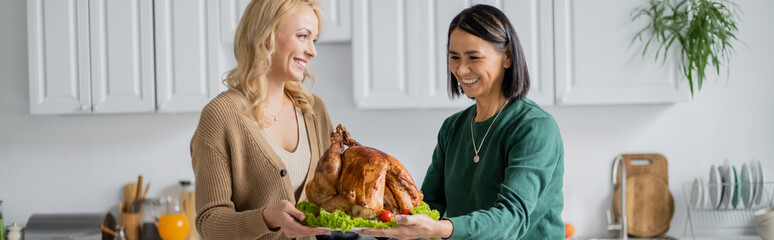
(295, 39)
(478, 66)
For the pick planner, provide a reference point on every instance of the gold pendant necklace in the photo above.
(282, 107)
(473, 135)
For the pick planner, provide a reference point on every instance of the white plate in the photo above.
(745, 177)
(727, 177)
(736, 195)
(759, 185)
(715, 190)
(696, 194)
(703, 197)
(754, 185)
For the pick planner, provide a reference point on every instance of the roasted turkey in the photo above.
(361, 181)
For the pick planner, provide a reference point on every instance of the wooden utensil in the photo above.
(649, 205)
(138, 194)
(657, 166)
(107, 224)
(107, 231)
(145, 193)
(130, 191)
(139, 188)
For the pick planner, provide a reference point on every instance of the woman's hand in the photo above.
(413, 226)
(283, 215)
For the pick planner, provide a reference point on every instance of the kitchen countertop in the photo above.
(748, 237)
(723, 237)
(353, 236)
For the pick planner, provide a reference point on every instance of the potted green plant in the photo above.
(704, 31)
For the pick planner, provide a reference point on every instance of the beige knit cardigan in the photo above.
(237, 172)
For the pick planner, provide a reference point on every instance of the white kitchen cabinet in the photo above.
(576, 55)
(597, 63)
(122, 56)
(399, 51)
(99, 56)
(90, 56)
(188, 71)
(336, 27)
(336, 21)
(392, 48)
(59, 61)
(195, 47)
(230, 13)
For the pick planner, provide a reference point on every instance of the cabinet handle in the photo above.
(96, 107)
(84, 107)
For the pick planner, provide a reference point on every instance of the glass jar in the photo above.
(152, 209)
(120, 233)
(188, 202)
(173, 224)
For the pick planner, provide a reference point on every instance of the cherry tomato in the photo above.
(385, 216)
(405, 211)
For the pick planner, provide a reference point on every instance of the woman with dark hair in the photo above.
(497, 168)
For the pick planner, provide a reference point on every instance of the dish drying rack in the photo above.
(705, 216)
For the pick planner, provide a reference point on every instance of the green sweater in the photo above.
(515, 190)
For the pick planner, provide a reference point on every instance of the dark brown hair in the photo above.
(491, 24)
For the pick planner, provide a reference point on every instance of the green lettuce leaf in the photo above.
(317, 217)
(424, 209)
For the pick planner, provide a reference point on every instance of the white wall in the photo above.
(78, 163)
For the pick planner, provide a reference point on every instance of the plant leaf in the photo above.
(704, 29)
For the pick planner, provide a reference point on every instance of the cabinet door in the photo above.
(533, 22)
(404, 65)
(122, 68)
(597, 62)
(389, 60)
(435, 92)
(337, 21)
(336, 26)
(58, 38)
(230, 14)
(185, 64)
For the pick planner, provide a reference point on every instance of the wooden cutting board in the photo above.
(635, 165)
(649, 202)
(649, 205)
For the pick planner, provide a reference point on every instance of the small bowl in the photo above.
(766, 222)
(766, 230)
(764, 214)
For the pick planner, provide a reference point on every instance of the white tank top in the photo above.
(297, 163)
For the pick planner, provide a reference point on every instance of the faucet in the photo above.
(622, 223)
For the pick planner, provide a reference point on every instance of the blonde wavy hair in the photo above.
(253, 46)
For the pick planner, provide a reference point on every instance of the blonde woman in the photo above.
(259, 142)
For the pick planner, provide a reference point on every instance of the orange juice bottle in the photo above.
(173, 224)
